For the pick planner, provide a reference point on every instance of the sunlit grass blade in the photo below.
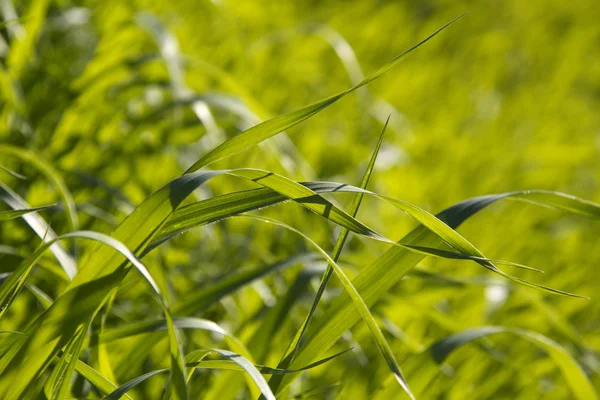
(40, 227)
(239, 360)
(278, 124)
(105, 268)
(441, 229)
(231, 361)
(9, 349)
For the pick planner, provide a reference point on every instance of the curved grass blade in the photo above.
(232, 362)
(278, 124)
(104, 270)
(40, 227)
(179, 387)
(441, 229)
(200, 300)
(578, 382)
(244, 364)
(232, 366)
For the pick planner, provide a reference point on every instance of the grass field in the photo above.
(299, 199)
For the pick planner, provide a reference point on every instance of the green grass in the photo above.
(173, 215)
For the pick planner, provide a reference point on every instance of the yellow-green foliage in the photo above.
(125, 123)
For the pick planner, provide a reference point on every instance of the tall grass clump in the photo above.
(164, 235)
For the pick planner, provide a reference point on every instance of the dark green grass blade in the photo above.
(278, 124)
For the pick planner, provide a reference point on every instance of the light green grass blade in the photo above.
(232, 362)
(104, 270)
(278, 124)
(242, 362)
(441, 229)
(578, 382)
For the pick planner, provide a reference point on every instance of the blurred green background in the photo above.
(122, 96)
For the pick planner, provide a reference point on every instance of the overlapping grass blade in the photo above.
(232, 362)
(28, 357)
(441, 229)
(10, 348)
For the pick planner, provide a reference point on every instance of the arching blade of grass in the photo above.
(278, 124)
(9, 348)
(40, 227)
(441, 229)
(380, 276)
(243, 363)
(311, 200)
(232, 362)
(104, 270)
(7, 215)
(578, 382)
(357, 301)
(288, 357)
